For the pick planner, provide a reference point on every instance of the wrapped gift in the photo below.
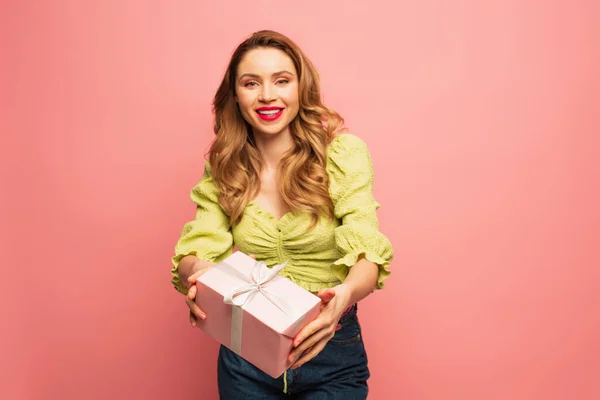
(253, 311)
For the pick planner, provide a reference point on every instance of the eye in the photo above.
(282, 81)
(250, 84)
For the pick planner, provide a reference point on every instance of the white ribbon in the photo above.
(260, 277)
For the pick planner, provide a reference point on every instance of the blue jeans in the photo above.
(340, 371)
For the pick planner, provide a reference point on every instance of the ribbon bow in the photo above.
(260, 277)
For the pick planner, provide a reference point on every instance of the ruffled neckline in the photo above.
(261, 211)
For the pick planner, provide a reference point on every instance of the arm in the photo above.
(365, 251)
(206, 238)
(204, 241)
(358, 238)
(360, 282)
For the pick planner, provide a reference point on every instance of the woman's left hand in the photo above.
(312, 339)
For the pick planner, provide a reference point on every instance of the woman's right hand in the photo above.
(198, 268)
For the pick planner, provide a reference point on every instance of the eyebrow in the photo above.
(248, 75)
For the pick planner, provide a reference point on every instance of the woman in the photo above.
(284, 183)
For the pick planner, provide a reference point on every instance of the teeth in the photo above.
(271, 112)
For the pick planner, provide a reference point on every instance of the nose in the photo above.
(267, 94)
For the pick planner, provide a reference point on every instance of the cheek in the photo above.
(291, 98)
(243, 108)
(245, 99)
(245, 103)
(295, 106)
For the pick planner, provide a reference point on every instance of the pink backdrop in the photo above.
(482, 119)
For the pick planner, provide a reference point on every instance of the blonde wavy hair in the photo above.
(235, 160)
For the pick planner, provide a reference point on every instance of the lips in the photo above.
(269, 113)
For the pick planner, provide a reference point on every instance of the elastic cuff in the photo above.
(175, 272)
(340, 267)
(179, 286)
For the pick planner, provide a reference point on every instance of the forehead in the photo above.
(265, 61)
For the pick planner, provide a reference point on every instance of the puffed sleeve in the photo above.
(208, 236)
(351, 179)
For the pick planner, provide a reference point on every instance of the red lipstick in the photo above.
(269, 113)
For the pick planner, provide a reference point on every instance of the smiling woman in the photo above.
(269, 71)
(285, 183)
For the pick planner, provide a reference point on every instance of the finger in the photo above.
(312, 353)
(192, 319)
(252, 256)
(192, 292)
(195, 309)
(326, 295)
(310, 342)
(194, 277)
(320, 323)
(293, 360)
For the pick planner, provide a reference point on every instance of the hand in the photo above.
(198, 268)
(312, 339)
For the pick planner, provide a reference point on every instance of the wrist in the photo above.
(197, 265)
(186, 268)
(344, 294)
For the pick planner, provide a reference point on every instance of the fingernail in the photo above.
(202, 315)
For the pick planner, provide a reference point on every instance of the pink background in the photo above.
(482, 118)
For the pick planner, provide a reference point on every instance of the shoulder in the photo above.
(207, 169)
(345, 144)
(349, 166)
(206, 186)
(348, 153)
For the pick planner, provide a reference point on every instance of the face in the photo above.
(267, 91)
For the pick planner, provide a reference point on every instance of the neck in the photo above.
(273, 147)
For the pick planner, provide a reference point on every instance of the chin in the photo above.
(270, 131)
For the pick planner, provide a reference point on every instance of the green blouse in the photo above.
(317, 258)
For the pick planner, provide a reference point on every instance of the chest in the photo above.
(269, 198)
(260, 233)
